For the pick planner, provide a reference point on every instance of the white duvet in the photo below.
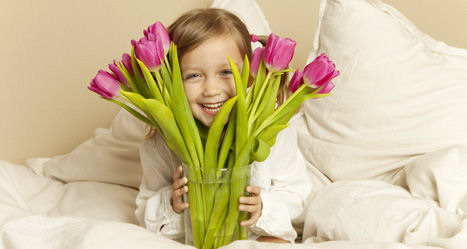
(41, 212)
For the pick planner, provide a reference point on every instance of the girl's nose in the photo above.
(210, 87)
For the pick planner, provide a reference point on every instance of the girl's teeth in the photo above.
(213, 107)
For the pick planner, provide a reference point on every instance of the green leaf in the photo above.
(227, 141)
(245, 73)
(139, 80)
(261, 150)
(242, 122)
(183, 115)
(150, 82)
(215, 132)
(128, 77)
(166, 121)
(259, 81)
(132, 111)
(269, 134)
(138, 101)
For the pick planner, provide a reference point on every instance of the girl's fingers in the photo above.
(179, 192)
(255, 190)
(249, 208)
(180, 183)
(252, 200)
(253, 219)
(178, 173)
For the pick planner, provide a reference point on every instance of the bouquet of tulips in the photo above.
(150, 79)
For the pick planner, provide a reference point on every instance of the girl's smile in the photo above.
(207, 76)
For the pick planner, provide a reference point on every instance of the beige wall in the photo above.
(51, 49)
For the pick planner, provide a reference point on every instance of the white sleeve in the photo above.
(285, 187)
(154, 210)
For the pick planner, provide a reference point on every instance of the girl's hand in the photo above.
(179, 188)
(251, 204)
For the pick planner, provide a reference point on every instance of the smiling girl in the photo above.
(279, 185)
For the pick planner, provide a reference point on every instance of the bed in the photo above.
(386, 153)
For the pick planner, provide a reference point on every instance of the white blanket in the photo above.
(40, 212)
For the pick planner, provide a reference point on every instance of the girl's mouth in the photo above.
(212, 109)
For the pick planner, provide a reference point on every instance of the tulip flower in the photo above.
(278, 53)
(118, 74)
(320, 71)
(151, 53)
(296, 81)
(157, 31)
(105, 85)
(256, 61)
(126, 59)
(326, 88)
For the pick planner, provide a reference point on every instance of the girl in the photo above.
(279, 185)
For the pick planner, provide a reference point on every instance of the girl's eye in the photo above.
(192, 76)
(227, 72)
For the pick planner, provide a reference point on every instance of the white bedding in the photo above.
(41, 212)
(95, 207)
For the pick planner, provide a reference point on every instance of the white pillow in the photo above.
(112, 155)
(249, 12)
(400, 93)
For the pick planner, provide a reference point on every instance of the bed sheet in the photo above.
(41, 212)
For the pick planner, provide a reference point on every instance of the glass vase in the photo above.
(213, 219)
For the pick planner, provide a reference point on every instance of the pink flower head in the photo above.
(105, 85)
(296, 81)
(118, 74)
(151, 53)
(126, 59)
(256, 60)
(157, 31)
(279, 52)
(319, 72)
(327, 88)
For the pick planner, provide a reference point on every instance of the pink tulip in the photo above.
(105, 85)
(118, 74)
(320, 71)
(157, 31)
(278, 53)
(151, 53)
(126, 59)
(256, 60)
(327, 88)
(296, 81)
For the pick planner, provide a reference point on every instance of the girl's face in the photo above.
(207, 76)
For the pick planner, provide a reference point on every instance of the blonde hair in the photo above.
(194, 27)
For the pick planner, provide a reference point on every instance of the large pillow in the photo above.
(112, 155)
(400, 93)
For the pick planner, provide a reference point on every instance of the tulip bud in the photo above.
(320, 71)
(126, 59)
(151, 53)
(157, 31)
(278, 53)
(326, 88)
(296, 81)
(256, 60)
(118, 74)
(105, 85)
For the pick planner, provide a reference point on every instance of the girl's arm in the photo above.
(285, 186)
(154, 210)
